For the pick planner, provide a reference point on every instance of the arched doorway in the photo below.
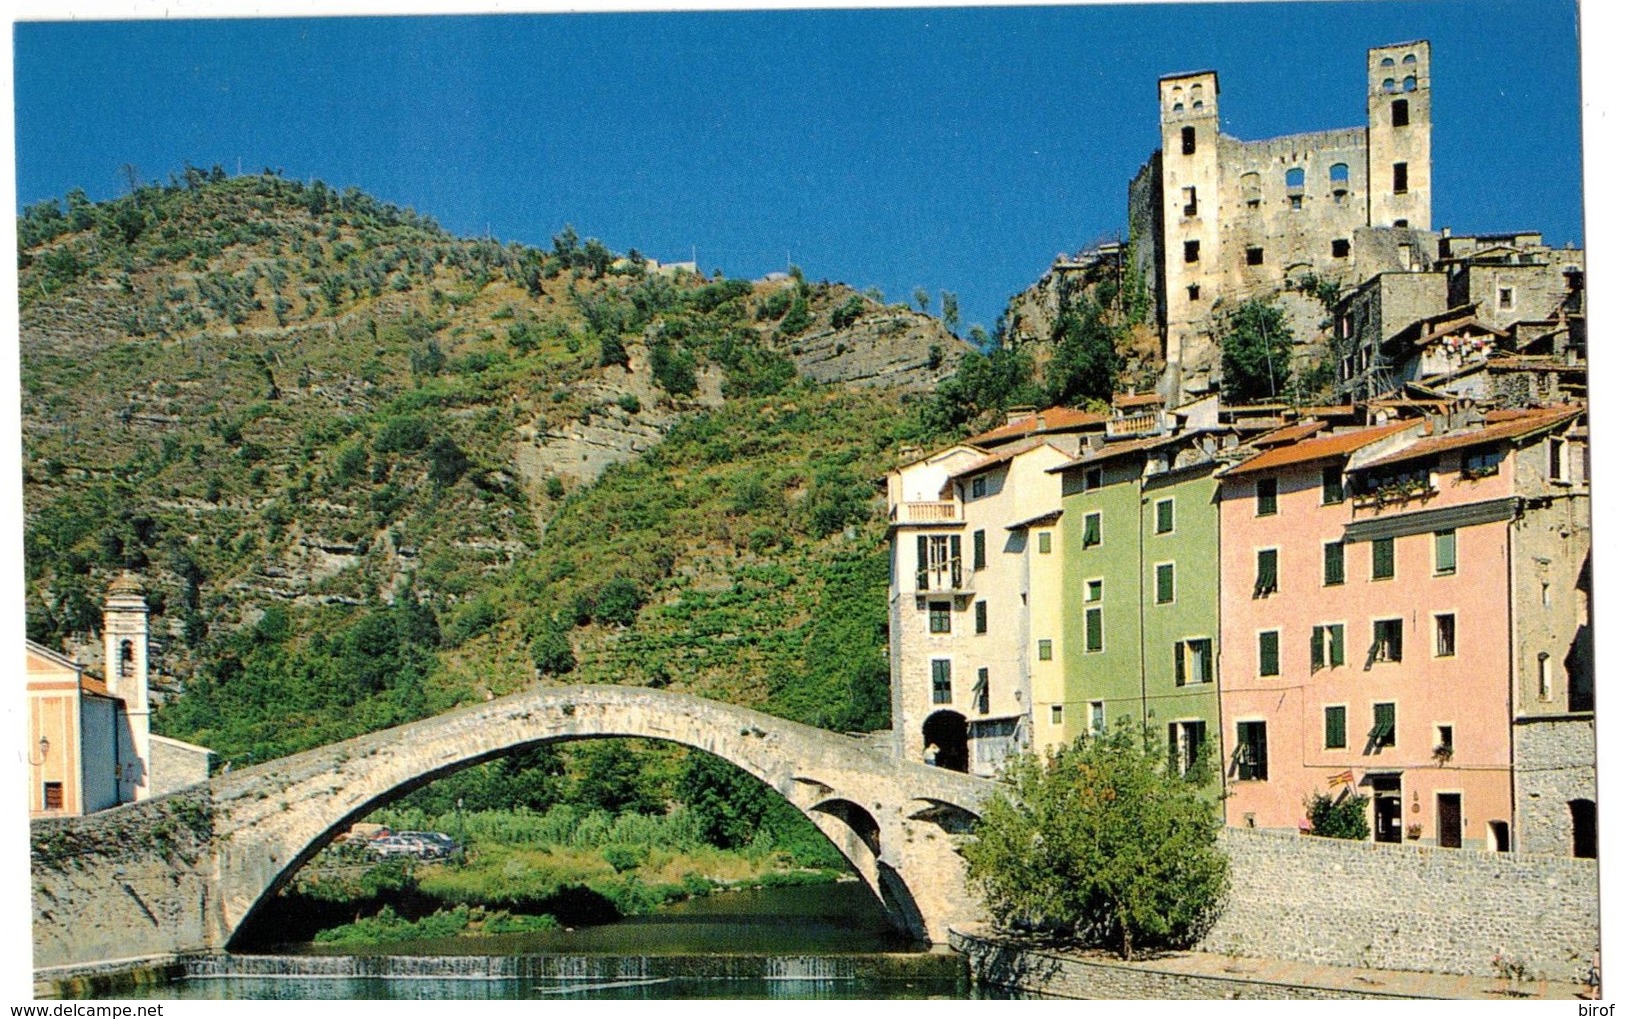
(948, 733)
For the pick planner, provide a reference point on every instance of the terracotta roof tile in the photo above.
(1112, 450)
(1054, 419)
(1135, 399)
(1289, 433)
(1499, 431)
(1319, 448)
(1002, 456)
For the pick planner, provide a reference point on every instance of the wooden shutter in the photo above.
(1317, 649)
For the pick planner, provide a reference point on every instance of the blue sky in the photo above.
(956, 149)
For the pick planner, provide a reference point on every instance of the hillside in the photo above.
(332, 437)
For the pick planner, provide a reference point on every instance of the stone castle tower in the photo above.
(124, 631)
(1214, 220)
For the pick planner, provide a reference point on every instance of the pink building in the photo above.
(1366, 628)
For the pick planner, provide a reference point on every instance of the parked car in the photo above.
(420, 845)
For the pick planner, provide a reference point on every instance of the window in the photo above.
(1093, 590)
(1091, 530)
(1093, 478)
(1185, 744)
(1388, 85)
(1056, 714)
(1269, 653)
(1093, 630)
(1325, 646)
(1503, 298)
(1444, 552)
(981, 617)
(1481, 465)
(1543, 674)
(978, 550)
(1252, 752)
(1266, 497)
(1294, 179)
(1193, 661)
(942, 681)
(53, 796)
(1165, 583)
(126, 658)
(1387, 63)
(1097, 717)
(1402, 224)
(1382, 559)
(1409, 84)
(1337, 727)
(1193, 251)
(1387, 640)
(1556, 468)
(1294, 202)
(978, 488)
(1190, 201)
(1252, 188)
(1402, 178)
(1340, 248)
(1043, 543)
(1332, 565)
(938, 565)
(1268, 580)
(1255, 256)
(1187, 141)
(1339, 174)
(1165, 516)
(1046, 650)
(980, 694)
(1331, 485)
(1382, 725)
(1400, 113)
(1194, 291)
(941, 617)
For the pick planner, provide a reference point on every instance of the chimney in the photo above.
(1016, 415)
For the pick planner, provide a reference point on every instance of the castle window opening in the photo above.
(1401, 111)
(1410, 60)
(1503, 298)
(1179, 107)
(1402, 179)
(1340, 248)
(1387, 62)
(1194, 291)
(1190, 201)
(1388, 85)
(1187, 139)
(1294, 179)
(1193, 251)
(1255, 256)
(1402, 223)
(1252, 188)
(1339, 173)
(1197, 105)
(126, 659)
(1295, 201)
(1410, 83)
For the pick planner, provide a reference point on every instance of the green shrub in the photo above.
(1342, 818)
(848, 312)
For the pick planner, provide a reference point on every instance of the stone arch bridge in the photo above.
(186, 872)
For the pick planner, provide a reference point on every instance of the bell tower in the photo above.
(124, 629)
(1399, 135)
(1191, 264)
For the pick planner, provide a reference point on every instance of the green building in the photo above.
(1140, 583)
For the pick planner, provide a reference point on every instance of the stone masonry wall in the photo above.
(1557, 762)
(1405, 907)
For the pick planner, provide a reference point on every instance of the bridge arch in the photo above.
(271, 819)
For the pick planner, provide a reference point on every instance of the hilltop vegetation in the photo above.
(360, 462)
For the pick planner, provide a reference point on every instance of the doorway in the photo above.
(1449, 816)
(947, 733)
(1387, 808)
(1583, 815)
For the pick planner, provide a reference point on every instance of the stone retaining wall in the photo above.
(1405, 907)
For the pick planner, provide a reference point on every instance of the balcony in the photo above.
(1134, 424)
(905, 514)
(944, 578)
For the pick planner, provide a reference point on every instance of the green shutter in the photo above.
(1334, 563)
(1165, 516)
(1269, 653)
(1336, 728)
(1268, 580)
(978, 550)
(924, 567)
(1092, 641)
(1091, 530)
(1317, 649)
(1337, 643)
(1179, 663)
(1444, 551)
(1382, 558)
(1165, 583)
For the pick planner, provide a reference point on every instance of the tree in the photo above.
(1102, 842)
(1086, 363)
(950, 310)
(1342, 818)
(1256, 353)
(922, 297)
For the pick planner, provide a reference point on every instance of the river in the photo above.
(823, 941)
